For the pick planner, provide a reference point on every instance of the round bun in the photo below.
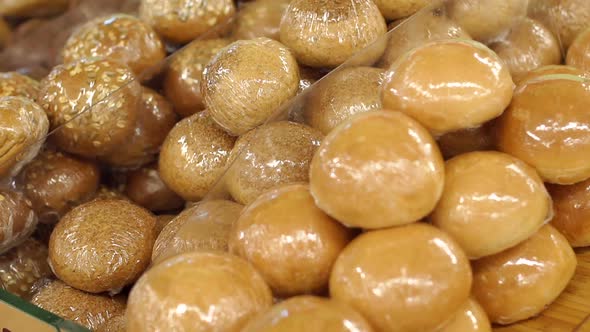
(578, 55)
(182, 83)
(197, 282)
(527, 46)
(486, 19)
(425, 84)
(119, 37)
(55, 183)
(271, 155)
(315, 313)
(103, 245)
(203, 227)
(89, 310)
(566, 18)
(21, 268)
(394, 9)
(23, 128)
(181, 21)
(342, 94)
(522, 281)
(422, 260)
(572, 211)
(93, 102)
(241, 96)
(471, 317)
(326, 33)
(155, 120)
(491, 202)
(17, 219)
(261, 18)
(425, 26)
(267, 234)
(385, 167)
(541, 127)
(14, 84)
(145, 187)
(193, 156)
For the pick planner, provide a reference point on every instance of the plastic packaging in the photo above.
(198, 157)
(18, 220)
(89, 310)
(522, 281)
(22, 268)
(571, 207)
(230, 292)
(314, 313)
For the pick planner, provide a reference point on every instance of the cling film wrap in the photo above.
(468, 57)
(231, 121)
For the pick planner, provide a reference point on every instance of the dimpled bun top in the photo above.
(326, 33)
(199, 292)
(246, 82)
(486, 19)
(310, 314)
(491, 202)
(425, 84)
(377, 169)
(102, 245)
(522, 281)
(403, 279)
(120, 37)
(93, 102)
(546, 127)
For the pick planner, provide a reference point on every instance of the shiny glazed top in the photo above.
(546, 126)
(384, 167)
(403, 279)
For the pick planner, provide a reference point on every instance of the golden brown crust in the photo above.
(261, 18)
(23, 128)
(486, 19)
(471, 317)
(491, 202)
(102, 245)
(202, 227)
(326, 34)
(13, 84)
(378, 169)
(118, 37)
(145, 187)
(566, 18)
(545, 126)
(289, 240)
(32, 8)
(379, 270)
(194, 156)
(197, 281)
(17, 219)
(55, 183)
(93, 102)
(522, 281)
(181, 21)
(22, 267)
(156, 118)
(89, 310)
(271, 155)
(527, 46)
(314, 314)
(182, 84)
(341, 95)
(426, 85)
(572, 211)
(241, 96)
